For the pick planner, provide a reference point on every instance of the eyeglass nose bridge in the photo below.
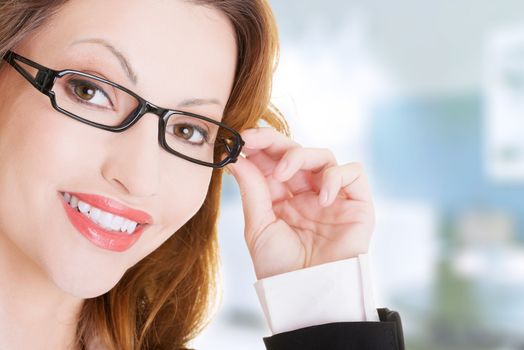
(152, 108)
(144, 108)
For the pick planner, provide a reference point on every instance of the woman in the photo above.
(116, 121)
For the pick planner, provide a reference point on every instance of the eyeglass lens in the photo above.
(108, 105)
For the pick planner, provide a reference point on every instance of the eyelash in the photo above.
(202, 131)
(74, 83)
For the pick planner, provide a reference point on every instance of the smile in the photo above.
(90, 215)
(98, 216)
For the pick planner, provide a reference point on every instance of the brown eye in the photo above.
(184, 131)
(189, 133)
(85, 92)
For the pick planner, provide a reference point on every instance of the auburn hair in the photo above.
(168, 297)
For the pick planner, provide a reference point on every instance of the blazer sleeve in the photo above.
(384, 335)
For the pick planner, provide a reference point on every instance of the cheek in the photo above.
(41, 150)
(184, 191)
(195, 180)
(30, 155)
(38, 153)
(195, 191)
(36, 141)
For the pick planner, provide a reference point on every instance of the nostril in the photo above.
(121, 185)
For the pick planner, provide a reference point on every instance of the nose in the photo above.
(133, 161)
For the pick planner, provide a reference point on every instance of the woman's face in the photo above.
(178, 51)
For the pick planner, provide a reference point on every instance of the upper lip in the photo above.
(114, 207)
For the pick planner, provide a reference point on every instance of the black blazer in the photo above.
(384, 335)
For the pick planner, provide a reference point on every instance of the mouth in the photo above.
(97, 219)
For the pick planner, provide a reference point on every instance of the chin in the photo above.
(85, 291)
(85, 286)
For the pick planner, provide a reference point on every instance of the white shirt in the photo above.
(339, 291)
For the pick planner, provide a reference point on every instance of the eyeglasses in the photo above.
(109, 106)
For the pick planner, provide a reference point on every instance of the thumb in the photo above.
(256, 198)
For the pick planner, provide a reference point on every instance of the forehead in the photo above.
(176, 49)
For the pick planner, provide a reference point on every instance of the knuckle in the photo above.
(331, 173)
(331, 156)
(326, 152)
(358, 166)
(293, 152)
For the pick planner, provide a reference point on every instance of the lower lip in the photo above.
(100, 237)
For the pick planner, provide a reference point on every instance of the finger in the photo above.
(311, 159)
(274, 143)
(264, 162)
(349, 180)
(300, 168)
(280, 190)
(256, 198)
(266, 165)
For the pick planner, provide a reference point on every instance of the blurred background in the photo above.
(429, 95)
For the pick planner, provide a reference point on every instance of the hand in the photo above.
(300, 207)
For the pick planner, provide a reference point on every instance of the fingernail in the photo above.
(281, 168)
(324, 197)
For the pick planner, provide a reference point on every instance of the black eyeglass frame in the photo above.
(45, 80)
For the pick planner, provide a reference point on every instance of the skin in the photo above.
(48, 268)
(49, 264)
(301, 208)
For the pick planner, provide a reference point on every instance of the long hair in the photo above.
(166, 299)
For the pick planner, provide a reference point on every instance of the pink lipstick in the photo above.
(96, 234)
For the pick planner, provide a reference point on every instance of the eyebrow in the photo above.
(119, 55)
(124, 62)
(192, 102)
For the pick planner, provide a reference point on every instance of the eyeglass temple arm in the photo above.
(236, 151)
(44, 76)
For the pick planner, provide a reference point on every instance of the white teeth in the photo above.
(83, 207)
(117, 223)
(106, 220)
(123, 228)
(94, 214)
(131, 227)
(74, 202)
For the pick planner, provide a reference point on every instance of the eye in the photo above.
(88, 92)
(190, 133)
